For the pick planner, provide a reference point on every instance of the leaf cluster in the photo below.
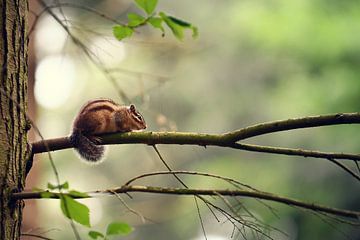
(153, 19)
(80, 213)
(113, 229)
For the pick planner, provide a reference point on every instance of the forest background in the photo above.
(254, 61)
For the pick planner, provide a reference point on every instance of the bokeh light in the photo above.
(55, 76)
(50, 37)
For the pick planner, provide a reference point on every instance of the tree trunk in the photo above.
(13, 123)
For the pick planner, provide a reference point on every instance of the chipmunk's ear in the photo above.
(132, 108)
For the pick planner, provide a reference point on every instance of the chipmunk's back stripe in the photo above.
(101, 108)
(96, 103)
(102, 100)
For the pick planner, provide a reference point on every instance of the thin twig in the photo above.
(345, 168)
(333, 225)
(127, 206)
(88, 9)
(200, 218)
(203, 192)
(357, 166)
(245, 223)
(239, 220)
(182, 183)
(168, 167)
(87, 52)
(267, 226)
(229, 180)
(35, 236)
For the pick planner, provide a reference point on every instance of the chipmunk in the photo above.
(102, 116)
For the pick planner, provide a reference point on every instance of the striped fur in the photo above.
(102, 116)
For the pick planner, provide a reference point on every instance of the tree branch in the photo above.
(296, 152)
(290, 124)
(203, 192)
(224, 140)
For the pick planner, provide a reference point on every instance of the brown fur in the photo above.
(101, 116)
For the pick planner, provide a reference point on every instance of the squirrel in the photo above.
(101, 116)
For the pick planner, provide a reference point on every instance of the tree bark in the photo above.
(13, 123)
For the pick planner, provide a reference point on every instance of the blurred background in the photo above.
(254, 61)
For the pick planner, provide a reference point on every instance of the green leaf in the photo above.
(184, 24)
(65, 185)
(176, 29)
(121, 32)
(177, 26)
(156, 22)
(179, 21)
(135, 19)
(75, 210)
(118, 228)
(51, 186)
(147, 5)
(75, 193)
(95, 235)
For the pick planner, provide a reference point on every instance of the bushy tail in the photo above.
(87, 149)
